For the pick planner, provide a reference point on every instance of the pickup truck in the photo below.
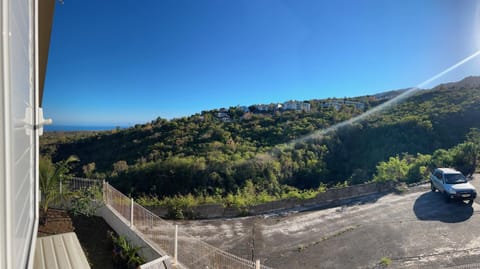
(452, 184)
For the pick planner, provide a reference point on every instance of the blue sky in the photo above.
(121, 62)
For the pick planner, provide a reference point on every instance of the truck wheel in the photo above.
(432, 187)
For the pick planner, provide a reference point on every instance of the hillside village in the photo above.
(359, 103)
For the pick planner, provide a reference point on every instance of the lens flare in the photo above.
(408, 93)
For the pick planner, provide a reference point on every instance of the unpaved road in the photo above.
(416, 229)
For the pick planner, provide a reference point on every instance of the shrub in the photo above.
(395, 169)
(441, 158)
(125, 255)
(51, 177)
(180, 206)
(86, 201)
(385, 261)
(465, 157)
(418, 168)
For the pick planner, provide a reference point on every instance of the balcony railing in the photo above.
(185, 250)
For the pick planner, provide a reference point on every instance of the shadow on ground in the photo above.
(361, 200)
(432, 206)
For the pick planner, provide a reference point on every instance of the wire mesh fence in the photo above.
(68, 187)
(156, 229)
(160, 263)
(186, 250)
(77, 183)
(118, 201)
(194, 253)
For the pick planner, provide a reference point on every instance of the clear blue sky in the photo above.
(121, 62)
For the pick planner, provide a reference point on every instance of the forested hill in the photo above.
(217, 151)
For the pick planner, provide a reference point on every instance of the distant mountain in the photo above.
(468, 82)
(218, 151)
(389, 94)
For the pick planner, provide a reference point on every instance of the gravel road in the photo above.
(417, 229)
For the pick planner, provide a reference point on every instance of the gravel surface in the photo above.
(416, 229)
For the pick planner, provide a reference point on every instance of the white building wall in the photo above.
(17, 136)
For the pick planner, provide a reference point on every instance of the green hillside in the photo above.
(221, 151)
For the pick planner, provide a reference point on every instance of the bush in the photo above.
(395, 169)
(125, 255)
(385, 261)
(180, 206)
(408, 168)
(418, 169)
(465, 157)
(441, 158)
(86, 201)
(51, 177)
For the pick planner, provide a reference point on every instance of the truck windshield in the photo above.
(455, 178)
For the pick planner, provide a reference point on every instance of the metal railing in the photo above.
(77, 183)
(118, 201)
(186, 250)
(70, 185)
(160, 263)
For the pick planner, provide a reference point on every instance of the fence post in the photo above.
(131, 212)
(175, 246)
(257, 264)
(104, 192)
(60, 186)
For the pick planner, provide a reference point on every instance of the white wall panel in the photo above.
(17, 132)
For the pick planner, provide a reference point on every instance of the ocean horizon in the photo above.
(73, 128)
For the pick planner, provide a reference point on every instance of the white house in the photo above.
(335, 105)
(263, 108)
(357, 105)
(338, 104)
(296, 105)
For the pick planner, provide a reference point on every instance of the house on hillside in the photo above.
(357, 105)
(244, 108)
(297, 106)
(263, 108)
(336, 104)
(223, 116)
(333, 104)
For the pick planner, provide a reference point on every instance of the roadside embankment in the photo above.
(330, 198)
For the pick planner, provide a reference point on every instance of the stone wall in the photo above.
(332, 197)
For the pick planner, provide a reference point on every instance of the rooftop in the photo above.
(61, 251)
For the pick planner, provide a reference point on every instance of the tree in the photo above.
(465, 157)
(395, 169)
(120, 167)
(473, 136)
(418, 168)
(441, 158)
(88, 169)
(51, 177)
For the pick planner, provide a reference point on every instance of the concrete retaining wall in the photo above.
(148, 251)
(332, 197)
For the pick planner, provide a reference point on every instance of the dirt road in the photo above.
(416, 229)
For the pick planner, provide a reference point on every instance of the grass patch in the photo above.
(385, 261)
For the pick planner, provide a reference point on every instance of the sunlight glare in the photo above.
(403, 96)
